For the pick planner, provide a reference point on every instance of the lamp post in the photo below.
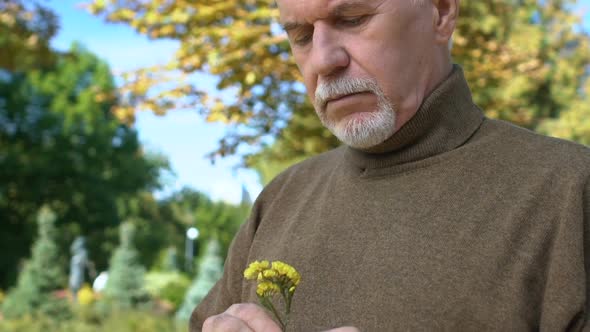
(191, 235)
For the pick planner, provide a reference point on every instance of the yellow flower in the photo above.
(269, 274)
(267, 288)
(86, 295)
(287, 270)
(272, 279)
(255, 268)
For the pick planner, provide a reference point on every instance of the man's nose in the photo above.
(328, 53)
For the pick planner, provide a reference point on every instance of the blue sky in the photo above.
(182, 136)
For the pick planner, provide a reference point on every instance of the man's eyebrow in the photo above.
(349, 5)
(290, 26)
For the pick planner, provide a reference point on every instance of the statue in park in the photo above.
(78, 264)
(171, 260)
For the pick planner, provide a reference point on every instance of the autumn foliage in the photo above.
(527, 62)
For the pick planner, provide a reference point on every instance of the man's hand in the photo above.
(243, 317)
(248, 317)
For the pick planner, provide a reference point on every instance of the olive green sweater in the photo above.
(456, 223)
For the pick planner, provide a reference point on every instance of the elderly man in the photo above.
(431, 216)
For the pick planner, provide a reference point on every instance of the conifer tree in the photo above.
(125, 286)
(210, 270)
(41, 275)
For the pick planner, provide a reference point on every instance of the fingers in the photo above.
(248, 317)
(345, 329)
(244, 317)
(256, 317)
(225, 323)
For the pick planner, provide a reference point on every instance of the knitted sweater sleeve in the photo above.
(586, 314)
(566, 298)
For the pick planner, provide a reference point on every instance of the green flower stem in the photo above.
(268, 304)
(287, 296)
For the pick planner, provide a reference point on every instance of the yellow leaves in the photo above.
(166, 30)
(528, 66)
(508, 60)
(96, 6)
(230, 38)
(476, 53)
(33, 40)
(573, 124)
(207, 12)
(226, 114)
(492, 45)
(101, 97)
(6, 18)
(262, 13)
(217, 114)
(459, 40)
(250, 78)
(152, 18)
(518, 69)
(125, 114)
(179, 16)
(124, 14)
(213, 58)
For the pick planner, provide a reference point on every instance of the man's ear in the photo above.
(446, 13)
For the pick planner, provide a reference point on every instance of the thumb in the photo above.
(255, 316)
(344, 329)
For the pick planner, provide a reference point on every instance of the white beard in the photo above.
(372, 128)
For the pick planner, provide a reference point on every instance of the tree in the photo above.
(125, 286)
(233, 40)
(215, 220)
(210, 270)
(155, 230)
(41, 276)
(26, 27)
(59, 144)
(526, 62)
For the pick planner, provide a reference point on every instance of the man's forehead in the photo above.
(298, 10)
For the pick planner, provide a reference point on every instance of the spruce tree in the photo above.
(41, 275)
(125, 285)
(210, 270)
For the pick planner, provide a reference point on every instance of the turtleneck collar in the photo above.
(444, 121)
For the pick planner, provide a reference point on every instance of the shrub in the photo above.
(125, 286)
(210, 270)
(41, 276)
(123, 321)
(169, 286)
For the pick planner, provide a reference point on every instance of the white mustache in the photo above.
(341, 87)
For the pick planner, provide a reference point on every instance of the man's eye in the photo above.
(352, 22)
(304, 39)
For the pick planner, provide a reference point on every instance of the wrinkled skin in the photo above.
(402, 44)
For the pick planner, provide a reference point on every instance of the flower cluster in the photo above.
(274, 278)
